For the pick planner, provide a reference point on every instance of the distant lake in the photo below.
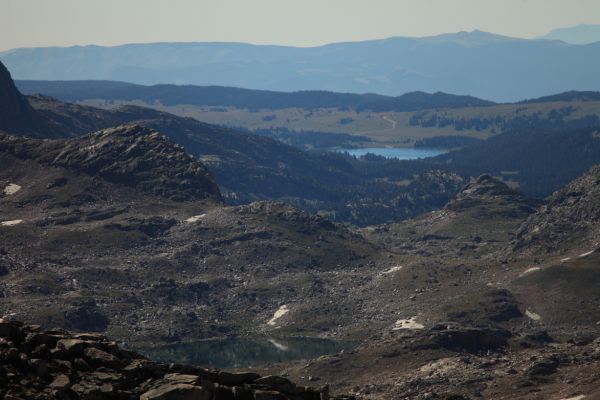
(400, 153)
(244, 352)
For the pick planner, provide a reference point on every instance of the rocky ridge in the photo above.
(486, 193)
(130, 155)
(480, 219)
(570, 218)
(56, 364)
(16, 114)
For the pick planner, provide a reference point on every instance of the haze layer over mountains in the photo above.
(477, 63)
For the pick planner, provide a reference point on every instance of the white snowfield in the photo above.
(587, 253)
(284, 309)
(532, 315)
(11, 223)
(529, 270)
(410, 324)
(392, 270)
(11, 188)
(195, 218)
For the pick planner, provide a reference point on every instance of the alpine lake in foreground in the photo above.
(245, 352)
(399, 153)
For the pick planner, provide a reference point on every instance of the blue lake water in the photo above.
(244, 352)
(400, 153)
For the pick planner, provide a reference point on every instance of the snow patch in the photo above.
(392, 270)
(12, 188)
(587, 253)
(529, 270)
(11, 223)
(580, 397)
(284, 309)
(195, 218)
(410, 323)
(565, 259)
(532, 315)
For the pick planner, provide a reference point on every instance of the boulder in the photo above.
(268, 395)
(73, 346)
(39, 367)
(277, 383)
(99, 358)
(88, 390)
(96, 337)
(240, 379)
(140, 370)
(182, 378)
(241, 393)
(81, 365)
(223, 393)
(61, 382)
(10, 330)
(544, 367)
(177, 391)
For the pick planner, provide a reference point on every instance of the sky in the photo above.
(38, 23)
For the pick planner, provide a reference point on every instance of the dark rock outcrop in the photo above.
(571, 217)
(16, 114)
(461, 338)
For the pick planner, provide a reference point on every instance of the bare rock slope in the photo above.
(570, 219)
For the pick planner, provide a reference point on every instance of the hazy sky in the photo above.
(27, 23)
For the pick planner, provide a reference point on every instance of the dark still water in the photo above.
(247, 352)
(399, 153)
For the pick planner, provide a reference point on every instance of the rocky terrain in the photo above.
(56, 364)
(486, 322)
(448, 362)
(131, 156)
(250, 167)
(124, 233)
(481, 217)
(570, 217)
(121, 231)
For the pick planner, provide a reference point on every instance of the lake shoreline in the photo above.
(398, 153)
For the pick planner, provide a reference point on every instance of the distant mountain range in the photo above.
(579, 34)
(171, 95)
(476, 63)
(244, 98)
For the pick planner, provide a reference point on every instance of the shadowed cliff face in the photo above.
(16, 115)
